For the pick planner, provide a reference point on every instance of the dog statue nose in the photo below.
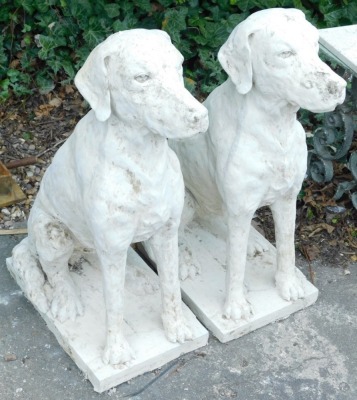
(335, 88)
(194, 117)
(198, 117)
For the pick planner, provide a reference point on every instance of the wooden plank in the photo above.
(16, 231)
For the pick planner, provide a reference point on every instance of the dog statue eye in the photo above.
(142, 78)
(286, 54)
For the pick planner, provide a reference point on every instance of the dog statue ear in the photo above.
(235, 57)
(92, 82)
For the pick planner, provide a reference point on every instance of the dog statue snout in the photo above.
(336, 87)
(198, 117)
(325, 89)
(195, 115)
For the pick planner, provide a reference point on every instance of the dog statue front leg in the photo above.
(117, 349)
(236, 306)
(288, 283)
(164, 246)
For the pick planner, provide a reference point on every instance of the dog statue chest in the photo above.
(268, 165)
(145, 190)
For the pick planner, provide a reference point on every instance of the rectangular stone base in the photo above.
(206, 293)
(84, 339)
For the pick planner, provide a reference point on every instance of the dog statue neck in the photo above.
(119, 137)
(264, 109)
(135, 132)
(252, 114)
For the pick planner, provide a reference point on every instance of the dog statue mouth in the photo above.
(329, 107)
(323, 105)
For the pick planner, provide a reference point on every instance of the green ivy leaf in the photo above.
(55, 64)
(44, 83)
(68, 67)
(3, 57)
(298, 4)
(217, 34)
(26, 28)
(267, 3)
(28, 6)
(113, 10)
(94, 34)
(119, 25)
(144, 5)
(235, 19)
(166, 3)
(5, 84)
(42, 6)
(175, 22)
(47, 44)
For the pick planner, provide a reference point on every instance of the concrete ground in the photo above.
(312, 355)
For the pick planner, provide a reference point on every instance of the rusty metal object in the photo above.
(22, 162)
(10, 192)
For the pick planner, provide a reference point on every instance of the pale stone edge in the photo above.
(324, 41)
(130, 373)
(139, 369)
(224, 336)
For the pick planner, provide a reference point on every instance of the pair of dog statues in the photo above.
(118, 181)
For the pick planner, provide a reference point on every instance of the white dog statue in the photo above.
(115, 182)
(254, 153)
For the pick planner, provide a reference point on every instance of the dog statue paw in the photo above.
(237, 309)
(176, 328)
(117, 351)
(26, 271)
(254, 152)
(116, 181)
(289, 286)
(66, 303)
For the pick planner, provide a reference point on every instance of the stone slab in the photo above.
(342, 43)
(206, 293)
(84, 339)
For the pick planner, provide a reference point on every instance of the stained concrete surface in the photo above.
(312, 355)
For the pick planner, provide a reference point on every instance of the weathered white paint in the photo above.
(84, 338)
(114, 182)
(254, 153)
(205, 295)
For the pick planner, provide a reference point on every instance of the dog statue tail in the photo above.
(25, 269)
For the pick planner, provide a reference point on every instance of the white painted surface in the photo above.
(114, 182)
(342, 43)
(254, 153)
(205, 294)
(84, 339)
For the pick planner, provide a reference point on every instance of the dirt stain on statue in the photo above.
(135, 183)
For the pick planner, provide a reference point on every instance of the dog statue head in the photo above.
(275, 51)
(136, 76)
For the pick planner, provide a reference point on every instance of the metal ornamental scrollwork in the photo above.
(332, 141)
